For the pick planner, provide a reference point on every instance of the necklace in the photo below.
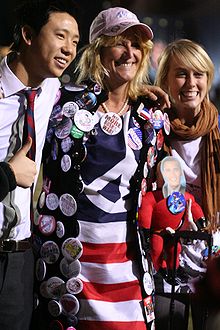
(120, 112)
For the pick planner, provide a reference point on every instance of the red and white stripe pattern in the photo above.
(111, 297)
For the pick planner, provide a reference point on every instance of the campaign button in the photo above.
(97, 89)
(70, 268)
(43, 290)
(176, 202)
(135, 122)
(41, 200)
(70, 304)
(143, 186)
(160, 139)
(148, 284)
(74, 285)
(56, 287)
(36, 217)
(40, 269)
(70, 328)
(166, 124)
(54, 308)
(67, 205)
(111, 123)
(135, 138)
(58, 95)
(83, 119)
(60, 230)
(52, 201)
(66, 163)
(72, 249)
(74, 88)
(47, 224)
(50, 252)
(66, 144)
(150, 134)
(157, 119)
(76, 132)
(88, 100)
(64, 128)
(145, 170)
(69, 109)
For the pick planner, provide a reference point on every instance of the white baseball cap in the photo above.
(114, 21)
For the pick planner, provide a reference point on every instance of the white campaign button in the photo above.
(111, 123)
(54, 308)
(66, 163)
(40, 269)
(52, 201)
(148, 284)
(72, 249)
(70, 108)
(67, 205)
(83, 119)
(60, 230)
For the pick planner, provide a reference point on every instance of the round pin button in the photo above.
(50, 252)
(47, 224)
(66, 144)
(111, 123)
(176, 202)
(40, 269)
(70, 304)
(63, 130)
(135, 138)
(157, 119)
(83, 119)
(74, 285)
(66, 163)
(72, 249)
(76, 132)
(55, 287)
(60, 230)
(148, 284)
(70, 268)
(166, 123)
(67, 205)
(54, 308)
(73, 87)
(43, 290)
(69, 109)
(52, 201)
(41, 200)
(97, 89)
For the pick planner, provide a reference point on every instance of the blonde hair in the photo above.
(189, 54)
(90, 65)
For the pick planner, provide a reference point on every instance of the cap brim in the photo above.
(145, 28)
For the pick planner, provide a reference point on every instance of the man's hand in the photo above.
(24, 168)
(156, 93)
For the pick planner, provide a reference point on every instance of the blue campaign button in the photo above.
(176, 202)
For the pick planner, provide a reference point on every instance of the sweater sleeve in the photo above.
(7, 180)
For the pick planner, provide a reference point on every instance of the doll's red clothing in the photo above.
(154, 214)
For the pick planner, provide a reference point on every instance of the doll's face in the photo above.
(172, 174)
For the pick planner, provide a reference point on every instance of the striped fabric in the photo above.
(111, 297)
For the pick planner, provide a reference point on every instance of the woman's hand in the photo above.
(156, 93)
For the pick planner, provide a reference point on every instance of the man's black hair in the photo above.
(35, 13)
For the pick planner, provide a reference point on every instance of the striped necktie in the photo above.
(29, 126)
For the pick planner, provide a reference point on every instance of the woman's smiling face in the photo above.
(186, 86)
(122, 60)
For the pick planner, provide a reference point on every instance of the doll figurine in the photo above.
(164, 211)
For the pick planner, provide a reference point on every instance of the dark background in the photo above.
(198, 20)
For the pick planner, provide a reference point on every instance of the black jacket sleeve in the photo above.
(7, 180)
